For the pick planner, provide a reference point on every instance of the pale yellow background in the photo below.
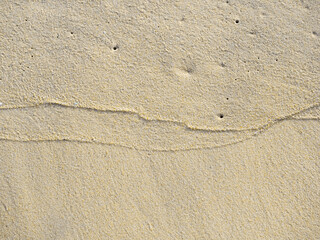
(159, 119)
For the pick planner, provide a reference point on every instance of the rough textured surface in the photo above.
(264, 188)
(186, 61)
(160, 119)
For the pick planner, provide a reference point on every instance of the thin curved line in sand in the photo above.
(183, 124)
(157, 150)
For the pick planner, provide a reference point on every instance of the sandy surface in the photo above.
(160, 120)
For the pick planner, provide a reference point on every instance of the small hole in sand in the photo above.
(221, 115)
(237, 21)
(189, 70)
(115, 48)
(71, 32)
(276, 59)
(227, 98)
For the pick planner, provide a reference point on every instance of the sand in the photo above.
(159, 120)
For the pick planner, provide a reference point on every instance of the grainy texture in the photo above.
(160, 119)
(264, 188)
(185, 61)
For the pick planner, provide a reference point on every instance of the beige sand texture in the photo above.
(160, 119)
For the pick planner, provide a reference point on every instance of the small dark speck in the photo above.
(237, 21)
(253, 32)
(189, 70)
(221, 115)
(227, 98)
(223, 64)
(71, 32)
(276, 59)
(32, 56)
(315, 33)
(115, 48)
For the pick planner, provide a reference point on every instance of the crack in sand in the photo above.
(257, 133)
(123, 146)
(183, 124)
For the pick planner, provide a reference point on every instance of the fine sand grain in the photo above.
(160, 119)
